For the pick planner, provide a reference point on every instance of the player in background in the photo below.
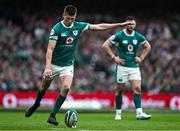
(60, 57)
(127, 41)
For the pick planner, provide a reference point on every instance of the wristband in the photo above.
(48, 67)
(113, 56)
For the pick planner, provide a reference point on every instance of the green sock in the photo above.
(118, 101)
(39, 96)
(60, 100)
(137, 100)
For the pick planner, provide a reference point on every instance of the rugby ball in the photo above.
(71, 118)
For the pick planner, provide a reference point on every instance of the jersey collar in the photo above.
(67, 26)
(132, 34)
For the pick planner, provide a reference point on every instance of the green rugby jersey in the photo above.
(127, 46)
(66, 37)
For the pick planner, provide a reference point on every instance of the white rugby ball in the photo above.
(71, 118)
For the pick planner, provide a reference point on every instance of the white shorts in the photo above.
(124, 74)
(58, 71)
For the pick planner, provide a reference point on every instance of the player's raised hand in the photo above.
(47, 73)
(138, 59)
(118, 60)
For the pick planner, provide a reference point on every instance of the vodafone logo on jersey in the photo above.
(130, 48)
(69, 40)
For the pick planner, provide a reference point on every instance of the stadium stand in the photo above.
(24, 37)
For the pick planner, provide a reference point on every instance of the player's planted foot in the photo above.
(143, 116)
(118, 115)
(31, 110)
(52, 120)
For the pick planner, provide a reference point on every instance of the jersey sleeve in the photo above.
(142, 39)
(84, 26)
(114, 39)
(53, 34)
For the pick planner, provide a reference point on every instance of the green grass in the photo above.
(90, 121)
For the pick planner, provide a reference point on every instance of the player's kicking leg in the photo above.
(44, 86)
(31, 110)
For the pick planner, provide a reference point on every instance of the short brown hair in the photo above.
(70, 10)
(130, 18)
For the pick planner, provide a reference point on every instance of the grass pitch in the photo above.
(90, 121)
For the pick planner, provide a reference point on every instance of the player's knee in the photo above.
(65, 90)
(137, 90)
(119, 91)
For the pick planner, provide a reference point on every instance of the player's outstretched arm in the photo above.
(105, 26)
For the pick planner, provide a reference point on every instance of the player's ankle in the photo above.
(53, 114)
(139, 111)
(118, 111)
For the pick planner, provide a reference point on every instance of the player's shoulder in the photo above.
(57, 25)
(79, 23)
(119, 33)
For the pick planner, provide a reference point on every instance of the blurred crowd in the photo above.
(23, 46)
